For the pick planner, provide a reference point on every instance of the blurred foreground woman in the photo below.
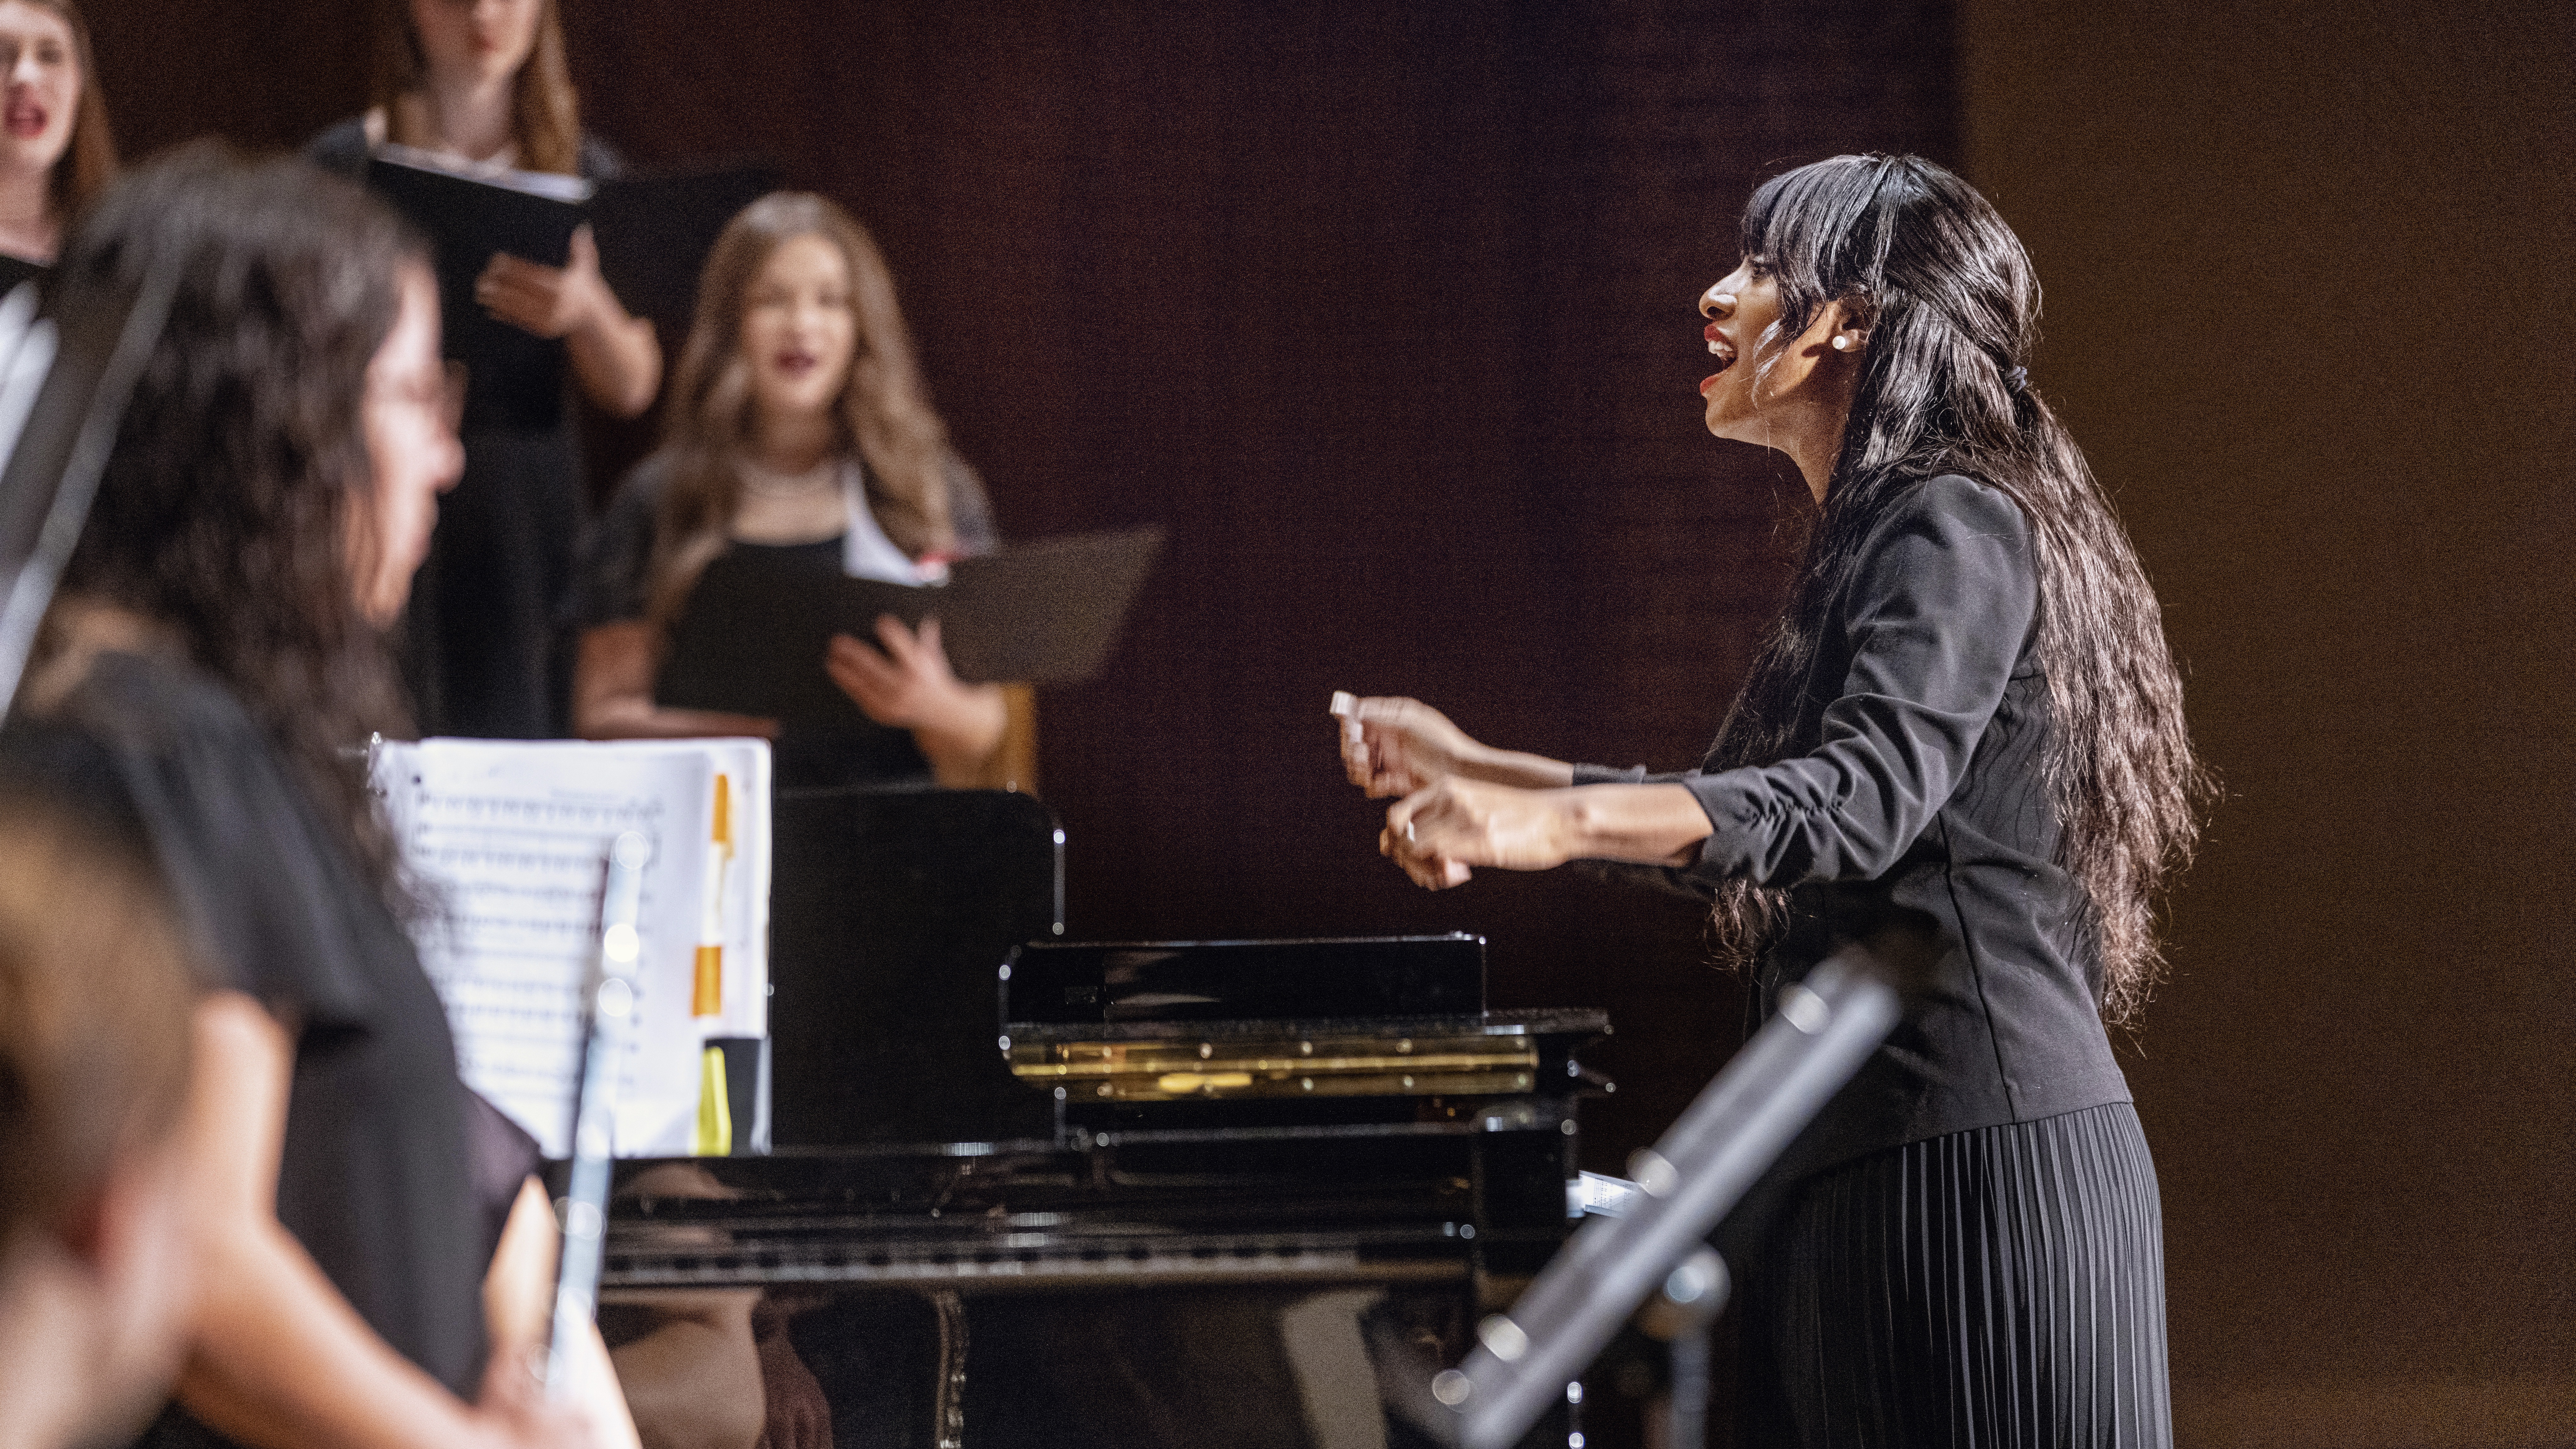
(1966, 715)
(95, 994)
(372, 1248)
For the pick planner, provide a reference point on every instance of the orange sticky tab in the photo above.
(707, 997)
(722, 833)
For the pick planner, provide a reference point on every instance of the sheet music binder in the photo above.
(470, 214)
(1042, 613)
(508, 837)
(655, 232)
(14, 270)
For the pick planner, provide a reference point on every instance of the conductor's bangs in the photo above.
(1811, 228)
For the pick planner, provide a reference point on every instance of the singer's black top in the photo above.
(615, 585)
(393, 1175)
(1919, 789)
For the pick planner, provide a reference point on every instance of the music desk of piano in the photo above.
(1027, 1192)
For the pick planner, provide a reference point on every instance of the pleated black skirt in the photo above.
(1997, 1288)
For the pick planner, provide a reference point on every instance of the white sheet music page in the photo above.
(510, 839)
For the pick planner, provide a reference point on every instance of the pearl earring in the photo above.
(1842, 344)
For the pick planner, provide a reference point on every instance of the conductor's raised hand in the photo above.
(1393, 747)
(550, 302)
(1440, 833)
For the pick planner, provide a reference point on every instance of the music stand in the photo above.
(608, 1017)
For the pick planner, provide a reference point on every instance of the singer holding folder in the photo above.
(371, 1243)
(800, 441)
(56, 151)
(1967, 711)
(483, 83)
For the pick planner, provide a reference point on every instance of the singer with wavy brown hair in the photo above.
(800, 440)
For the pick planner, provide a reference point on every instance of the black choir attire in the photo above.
(845, 747)
(395, 1177)
(482, 655)
(1967, 1247)
(16, 269)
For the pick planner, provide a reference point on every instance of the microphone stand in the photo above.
(610, 1021)
(66, 375)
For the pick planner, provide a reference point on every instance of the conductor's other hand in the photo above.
(550, 302)
(907, 684)
(1393, 747)
(1438, 833)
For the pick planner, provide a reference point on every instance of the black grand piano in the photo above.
(1023, 1192)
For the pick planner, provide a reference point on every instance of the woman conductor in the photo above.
(1967, 710)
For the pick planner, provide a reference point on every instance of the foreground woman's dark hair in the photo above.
(237, 489)
(1953, 313)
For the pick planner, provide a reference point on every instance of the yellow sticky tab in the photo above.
(722, 833)
(714, 1136)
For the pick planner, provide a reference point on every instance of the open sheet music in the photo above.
(510, 840)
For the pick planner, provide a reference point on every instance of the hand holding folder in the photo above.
(1043, 613)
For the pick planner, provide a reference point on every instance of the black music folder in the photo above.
(655, 232)
(1041, 613)
(469, 215)
(14, 270)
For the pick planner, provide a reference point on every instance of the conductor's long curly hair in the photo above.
(1953, 313)
(238, 490)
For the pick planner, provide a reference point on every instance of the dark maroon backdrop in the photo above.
(1386, 311)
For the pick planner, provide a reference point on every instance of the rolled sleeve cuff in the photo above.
(1734, 802)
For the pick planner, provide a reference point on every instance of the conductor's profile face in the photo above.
(471, 40)
(798, 331)
(43, 83)
(1741, 310)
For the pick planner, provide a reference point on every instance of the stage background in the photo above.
(1385, 311)
(2308, 284)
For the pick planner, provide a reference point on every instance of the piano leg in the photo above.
(948, 1401)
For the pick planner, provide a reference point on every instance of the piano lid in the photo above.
(1051, 984)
